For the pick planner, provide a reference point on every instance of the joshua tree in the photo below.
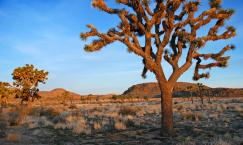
(200, 91)
(209, 94)
(66, 96)
(163, 30)
(26, 80)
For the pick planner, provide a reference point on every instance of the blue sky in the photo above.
(46, 33)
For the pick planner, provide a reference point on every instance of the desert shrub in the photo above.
(13, 137)
(50, 113)
(13, 118)
(122, 97)
(3, 125)
(60, 118)
(220, 142)
(77, 124)
(236, 101)
(151, 109)
(43, 122)
(198, 116)
(180, 107)
(97, 126)
(17, 114)
(73, 106)
(112, 114)
(114, 97)
(188, 141)
(188, 115)
(145, 98)
(126, 110)
(35, 111)
(238, 108)
(128, 120)
(119, 125)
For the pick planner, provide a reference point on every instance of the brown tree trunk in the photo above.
(166, 109)
(167, 113)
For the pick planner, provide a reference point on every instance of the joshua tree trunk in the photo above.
(166, 109)
(166, 112)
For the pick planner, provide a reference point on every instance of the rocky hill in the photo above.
(181, 89)
(57, 93)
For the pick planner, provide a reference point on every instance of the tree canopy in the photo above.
(163, 22)
(26, 79)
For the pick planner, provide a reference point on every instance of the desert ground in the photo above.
(121, 122)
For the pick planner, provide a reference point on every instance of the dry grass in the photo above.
(89, 119)
(18, 114)
(13, 137)
(120, 125)
(127, 110)
(97, 126)
(220, 142)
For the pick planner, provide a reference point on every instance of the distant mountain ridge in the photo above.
(58, 92)
(150, 90)
(181, 89)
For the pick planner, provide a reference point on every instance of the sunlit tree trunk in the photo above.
(166, 108)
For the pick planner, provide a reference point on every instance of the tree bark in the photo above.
(166, 109)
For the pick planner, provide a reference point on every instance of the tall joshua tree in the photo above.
(169, 29)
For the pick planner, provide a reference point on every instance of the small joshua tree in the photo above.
(164, 30)
(189, 89)
(66, 96)
(200, 91)
(209, 93)
(26, 80)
